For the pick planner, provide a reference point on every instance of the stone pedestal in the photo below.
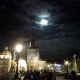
(74, 68)
(10, 76)
(11, 73)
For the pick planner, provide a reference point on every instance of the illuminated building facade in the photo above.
(54, 67)
(64, 69)
(5, 62)
(22, 66)
(32, 56)
(35, 63)
(42, 65)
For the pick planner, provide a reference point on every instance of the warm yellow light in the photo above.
(6, 57)
(66, 62)
(55, 64)
(22, 63)
(18, 48)
(40, 68)
(48, 65)
(1, 57)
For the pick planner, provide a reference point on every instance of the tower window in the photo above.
(4, 66)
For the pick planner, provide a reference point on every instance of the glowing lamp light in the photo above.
(44, 22)
(18, 48)
(55, 64)
(40, 68)
(66, 62)
(48, 65)
(6, 57)
(1, 57)
(22, 62)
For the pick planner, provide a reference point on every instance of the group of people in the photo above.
(40, 75)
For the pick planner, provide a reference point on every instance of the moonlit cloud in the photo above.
(20, 19)
(37, 8)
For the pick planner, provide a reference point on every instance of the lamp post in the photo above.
(55, 66)
(66, 62)
(48, 67)
(18, 49)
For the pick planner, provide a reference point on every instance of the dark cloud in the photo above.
(20, 19)
(56, 47)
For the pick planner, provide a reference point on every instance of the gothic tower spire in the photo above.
(32, 56)
(32, 43)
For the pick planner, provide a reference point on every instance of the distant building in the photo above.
(78, 65)
(63, 69)
(33, 57)
(22, 66)
(5, 62)
(35, 63)
(42, 65)
(54, 67)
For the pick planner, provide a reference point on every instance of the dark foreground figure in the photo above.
(73, 75)
(39, 75)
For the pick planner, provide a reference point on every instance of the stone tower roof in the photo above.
(6, 51)
(32, 43)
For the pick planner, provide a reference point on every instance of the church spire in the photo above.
(32, 43)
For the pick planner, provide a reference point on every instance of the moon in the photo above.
(44, 22)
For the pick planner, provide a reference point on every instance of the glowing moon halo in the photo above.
(44, 22)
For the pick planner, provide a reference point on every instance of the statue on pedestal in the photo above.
(74, 67)
(13, 63)
(11, 73)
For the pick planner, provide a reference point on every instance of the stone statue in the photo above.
(11, 73)
(74, 67)
(13, 63)
(74, 60)
(14, 58)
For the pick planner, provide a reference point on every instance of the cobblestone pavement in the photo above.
(62, 78)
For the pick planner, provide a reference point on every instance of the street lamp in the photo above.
(18, 49)
(55, 66)
(48, 67)
(66, 62)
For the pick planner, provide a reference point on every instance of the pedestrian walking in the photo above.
(73, 75)
(41, 76)
(54, 75)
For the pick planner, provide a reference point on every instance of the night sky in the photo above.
(60, 39)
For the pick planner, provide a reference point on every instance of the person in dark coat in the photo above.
(41, 76)
(54, 75)
(50, 75)
(73, 75)
(36, 74)
(27, 76)
(47, 75)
